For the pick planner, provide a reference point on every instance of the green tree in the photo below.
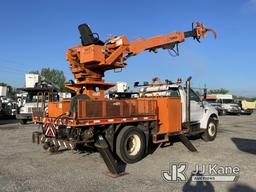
(218, 91)
(3, 84)
(55, 76)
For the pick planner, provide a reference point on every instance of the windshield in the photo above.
(31, 98)
(173, 92)
(227, 101)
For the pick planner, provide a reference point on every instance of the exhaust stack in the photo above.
(188, 104)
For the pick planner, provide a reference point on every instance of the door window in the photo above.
(194, 96)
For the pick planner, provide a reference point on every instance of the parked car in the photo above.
(230, 106)
(8, 107)
(245, 110)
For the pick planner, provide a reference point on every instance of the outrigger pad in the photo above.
(36, 137)
(116, 167)
(187, 143)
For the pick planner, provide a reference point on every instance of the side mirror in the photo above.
(205, 94)
(136, 84)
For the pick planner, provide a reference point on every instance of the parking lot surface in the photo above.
(27, 167)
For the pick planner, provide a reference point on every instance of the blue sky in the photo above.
(36, 34)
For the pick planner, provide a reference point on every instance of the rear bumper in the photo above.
(27, 116)
(40, 138)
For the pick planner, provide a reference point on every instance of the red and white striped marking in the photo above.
(50, 131)
(68, 122)
(66, 144)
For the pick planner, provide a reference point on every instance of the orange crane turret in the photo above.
(90, 60)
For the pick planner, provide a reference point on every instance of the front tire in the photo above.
(221, 113)
(130, 144)
(211, 131)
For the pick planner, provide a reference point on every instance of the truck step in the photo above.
(160, 138)
(187, 143)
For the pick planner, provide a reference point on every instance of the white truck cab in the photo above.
(202, 117)
(8, 107)
(36, 98)
(25, 110)
(37, 92)
(228, 104)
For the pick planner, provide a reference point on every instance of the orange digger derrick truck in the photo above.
(121, 130)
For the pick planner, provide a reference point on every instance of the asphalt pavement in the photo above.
(25, 166)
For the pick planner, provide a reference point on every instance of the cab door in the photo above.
(196, 107)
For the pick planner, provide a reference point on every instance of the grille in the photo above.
(37, 112)
(30, 109)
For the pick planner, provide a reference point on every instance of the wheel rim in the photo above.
(211, 129)
(133, 145)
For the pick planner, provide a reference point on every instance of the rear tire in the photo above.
(46, 146)
(211, 131)
(130, 144)
(23, 121)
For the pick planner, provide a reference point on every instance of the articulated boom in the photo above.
(90, 60)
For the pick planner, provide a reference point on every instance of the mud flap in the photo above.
(116, 167)
(187, 143)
